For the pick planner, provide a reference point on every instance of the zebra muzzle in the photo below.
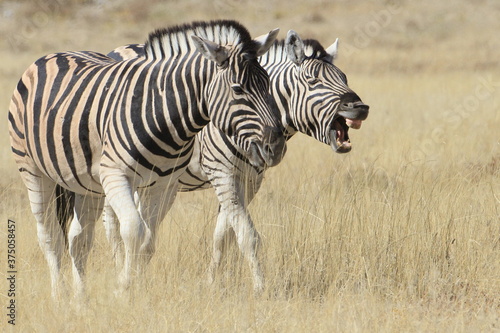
(354, 112)
(269, 152)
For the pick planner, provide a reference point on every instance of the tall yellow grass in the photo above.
(401, 234)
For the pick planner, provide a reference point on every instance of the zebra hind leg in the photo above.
(50, 235)
(81, 234)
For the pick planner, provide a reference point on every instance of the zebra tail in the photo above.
(65, 202)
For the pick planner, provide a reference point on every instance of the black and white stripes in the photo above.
(311, 95)
(97, 126)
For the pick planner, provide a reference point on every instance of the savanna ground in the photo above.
(401, 234)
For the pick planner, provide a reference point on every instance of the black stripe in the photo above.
(37, 110)
(13, 124)
(18, 152)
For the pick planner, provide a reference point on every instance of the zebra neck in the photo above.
(170, 94)
(183, 88)
(283, 80)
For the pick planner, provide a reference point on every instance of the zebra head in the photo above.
(323, 105)
(241, 89)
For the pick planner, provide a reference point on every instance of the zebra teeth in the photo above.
(339, 137)
(344, 147)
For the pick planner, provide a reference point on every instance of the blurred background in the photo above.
(376, 35)
(401, 234)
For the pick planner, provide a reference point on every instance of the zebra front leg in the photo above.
(233, 214)
(81, 234)
(112, 227)
(49, 232)
(220, 232)
(248, 241)
(119, 195)
(153, 206)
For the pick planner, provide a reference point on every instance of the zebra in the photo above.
(98, 127)
(312, 96)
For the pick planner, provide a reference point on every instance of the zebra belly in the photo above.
(77, 171)
(142, 167)
(194, 178)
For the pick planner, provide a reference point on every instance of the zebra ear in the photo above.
(333, 49)
(264, 42)
(210, 50)
(294, 47)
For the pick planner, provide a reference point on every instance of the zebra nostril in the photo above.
(273, 145)
(348, 101)
(268, 149)
(347, 106)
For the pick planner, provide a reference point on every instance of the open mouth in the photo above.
(339, 133)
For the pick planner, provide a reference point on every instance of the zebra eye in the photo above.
(237, 89)
(313, 80)
(224, 64)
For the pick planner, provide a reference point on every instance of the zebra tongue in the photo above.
(355, 124)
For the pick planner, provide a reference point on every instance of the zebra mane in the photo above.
(312, 49)
(168, 42)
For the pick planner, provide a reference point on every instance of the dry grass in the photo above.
(402, 234)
